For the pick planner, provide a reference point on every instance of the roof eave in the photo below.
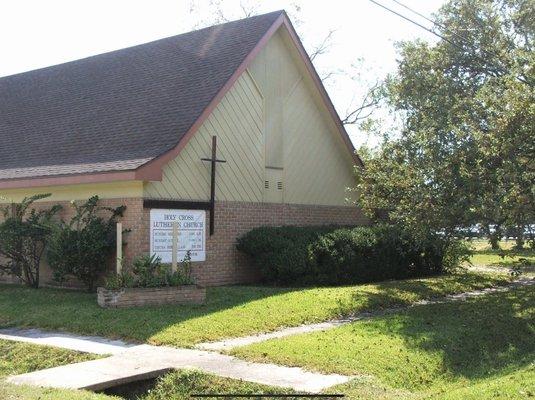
(87, 178)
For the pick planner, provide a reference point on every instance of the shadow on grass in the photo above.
(523, 261)
(403, 293)
(477, 338)
(511, 252)
(229, 311)
(78, 312)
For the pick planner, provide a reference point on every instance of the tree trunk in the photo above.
(494, 242)
(494, 237)
(519, 238)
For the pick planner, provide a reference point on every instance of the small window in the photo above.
(266, 184)
(279, 185)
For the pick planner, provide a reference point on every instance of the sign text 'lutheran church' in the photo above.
(191, 226)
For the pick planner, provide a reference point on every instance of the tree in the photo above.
(464, 153)
(23, 238)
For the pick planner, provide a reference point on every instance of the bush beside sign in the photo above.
(137, 297)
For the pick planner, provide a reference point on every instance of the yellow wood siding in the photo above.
(275, 73)
(318, 167)
(301, 136)
(238, 123)
(272, 125)
(77, 192)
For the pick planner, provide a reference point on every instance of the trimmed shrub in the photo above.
(331, 256)
(281, 253)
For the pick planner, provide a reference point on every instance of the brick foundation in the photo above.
(224, 264)
(137, 297)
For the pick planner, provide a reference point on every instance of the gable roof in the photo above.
(124, 114)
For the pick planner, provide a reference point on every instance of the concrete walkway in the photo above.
(229, 344)
(86, 344)
(130, 363)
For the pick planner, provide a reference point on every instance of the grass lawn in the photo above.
(18, 358)
(229, 311)
(181, 384)
(481, 348)
(485, 256)
(30, 357)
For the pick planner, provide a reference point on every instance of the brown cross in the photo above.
(213, 162)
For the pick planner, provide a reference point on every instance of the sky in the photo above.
(39, 33)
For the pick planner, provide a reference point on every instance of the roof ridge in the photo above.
(17, 74)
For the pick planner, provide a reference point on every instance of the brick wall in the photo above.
(224, 264)
(137, 297)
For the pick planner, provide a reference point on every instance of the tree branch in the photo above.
(322, 47)
(366, 107)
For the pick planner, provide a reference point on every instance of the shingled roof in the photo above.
(119, 110)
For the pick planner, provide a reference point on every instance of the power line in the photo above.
(463, 38)
(419, 14)
(439, 35)
(417, 24)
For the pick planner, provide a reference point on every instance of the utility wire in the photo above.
(417, 24)
(521, 79)
(463, 38)
(421, 15)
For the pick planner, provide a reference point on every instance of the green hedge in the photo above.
(333, 256)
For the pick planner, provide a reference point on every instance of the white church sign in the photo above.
(191, 233)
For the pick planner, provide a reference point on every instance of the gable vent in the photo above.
(279, 185)
(266, 184)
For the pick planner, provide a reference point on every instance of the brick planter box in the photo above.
(136, 297)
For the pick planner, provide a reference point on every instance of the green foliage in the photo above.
(281, 253)
(456, 254)
(124, 279)
(463, 153)
(23, 237)
(82, 248)
(330, 256)
(149, 271)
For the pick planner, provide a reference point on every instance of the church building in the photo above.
(222, 129)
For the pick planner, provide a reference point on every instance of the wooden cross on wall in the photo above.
(213, 162)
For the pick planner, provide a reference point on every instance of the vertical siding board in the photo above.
(316, 168)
